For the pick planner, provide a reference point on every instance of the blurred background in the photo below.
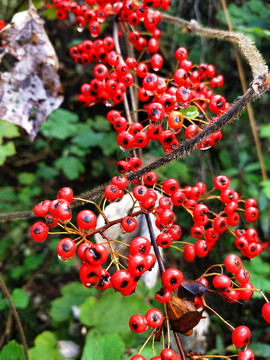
(56, 311)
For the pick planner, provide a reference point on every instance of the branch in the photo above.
(256, 89)
(247, 47)
(16, 316)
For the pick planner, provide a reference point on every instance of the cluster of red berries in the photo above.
(164, 102)
(94, 13)
(166, 354)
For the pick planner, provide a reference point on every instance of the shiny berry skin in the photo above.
(221, 281)
(242, 276)
(220, 224)
(201, 248)
(156, 62)
(266, 312)
(241, 336)
(247, 293)
(42, 208)
(189, 253)
(140, 245)
(175, 121)
(97, 254)
(217, 104)
(155, 113)
(51, 220)
(86, 220)
(121, 280)
(150, 178)
(81, 249)
(129, 224)
(111, 192)
(90, 274)
(172, 278)
(120, 181)
(175, 231)
(154, 318)
(251, 214)
(246, 355)
(138, 357)
(163, 295)
(250, 202)
(164, 240)
(140, 192)
(104, 281)
(233, 263)
(211, 235)
(134, 163)
(39, 231)
(66, 248)
(178, 198)
(150, 83)
(170, 186)
(227, 196)
(181, 53)
(221, 182)
(141, 139)
(168, 354)
(138, 323)
(180, 77)
(122, 166)
(137, 264)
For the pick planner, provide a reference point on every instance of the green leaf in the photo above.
(176, 168)
(8, 130)
(100, 313)
(101, 124)
(191, 112)
(99, 348)
(12, 351)
(26, 178)
(45, 348)
(61, 124)
(90, 139)
(71, 166)
(266, 187)
(20, 298)
(6, 150)
(73, 294)
(111, 144)
(265, 131)
(46, 172)
(260, 349)
(33, 261)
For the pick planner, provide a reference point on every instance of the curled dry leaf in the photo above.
(183, 315)
(189, 287)
(29, 85)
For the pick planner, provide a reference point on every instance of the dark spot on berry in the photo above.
(65, 247)
(37, 230)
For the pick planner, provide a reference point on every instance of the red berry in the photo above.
(129, 223)
(90, 274)
(111, 192)
(242, 276)
(241, 336)
(104, 281)
(170, 186)
(232, 263)
(221, 182)
(201, 248)
(154, 317)
(221, 282)
(39, 231)
(246, 355)
(163, 295)
(86, 220)
(42, 208)
(121, 280)
(172, 278)
(97, 254)
(189, 252)
(138, 323)
(66, 248)
(168, 354)
(164, 240)
(266, 312)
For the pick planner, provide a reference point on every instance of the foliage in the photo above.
(76, 147)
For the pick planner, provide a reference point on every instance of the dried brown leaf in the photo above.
(29, 85)
(187, 321)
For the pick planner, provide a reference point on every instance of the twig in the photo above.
(16, 316)
(244, 87)
(248, 49)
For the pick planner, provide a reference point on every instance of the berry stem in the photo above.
(154, 244)
(221, 318)
(16, 316)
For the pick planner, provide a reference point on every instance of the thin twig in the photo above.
(16, 316)
(244, 88)
(248, 49)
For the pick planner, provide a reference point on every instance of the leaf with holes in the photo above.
(29, 85)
